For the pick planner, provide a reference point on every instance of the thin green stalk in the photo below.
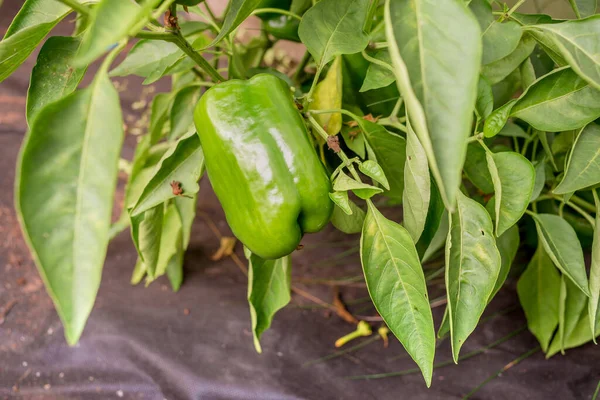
(342, 352)
(210, 13)
(340, 153)
(514, 8)
(164, 36)
(81, 9)
(197, 57)
(276, 11)
(313, 86)
(300, 67)
(475, 138)
(444, 363)
(597, 392)
(396, 110)
(373, 60)
(108, 60)
(581, 212)
(380, 45)
(584, 204)
(504, 369)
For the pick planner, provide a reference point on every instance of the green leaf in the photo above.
(139, 271)
(538, 290)
(546, 145)
(557, 102)
(476, 168)
(348, 223)
(183, 163)
(505, 91)
(269, 283)
(327, 96)
(498, 119)
(513, 130)
(574, 305)
(594, 304)
(389, 150)
(171, 240)
(54, 75)
(513, 177)
(159, 115)
(577, 43)
(65, 207)
(584, 8)
(417, 187)
(528, 75)
(146, 232)
(182, 111)
(374, 171)
(355, 140)
(563, 247)
(149, 59)
(485, 99)
(508, 244)
(331, 28)
(439, 239)
(344, 183)
(175, 272)
(500, 69)
(581, 334)
(397, 286)
(433, 223)
(342, 201)
(378, 76)
(472, 268)
(111, 21)
(437, 71)
(540, 180)
(29, 27)
(237, 11)
(583, 166)
(499, 38)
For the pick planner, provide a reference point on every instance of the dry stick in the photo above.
(505, 368)
(444, 363)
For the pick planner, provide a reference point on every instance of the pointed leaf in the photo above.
(377, 76)
(497, 120)
(573, 305)
(584, 8)
(540, 180)
(183, 163)
(342, 201)
(344, 183)
(563, 247)
(485, 99)
(577, 42)
(389, 150)
(508, 244)
(65, 207)
(397, 287)
(237, 11)
(583, 166)
(513, 177)
(355, 140)
(171, 240)
(538, 290)
(500, 69)
(374, 171)
(476, 168)
(146, 232)
(269, 283)
(331, 28)
(472, 268)
(182, 111)
(111, 21)
(417, 187)
(557, 102)
(437, 71)
(349, 224)
(29, 27)
(54, 75)
(149, 59)
(327, 96)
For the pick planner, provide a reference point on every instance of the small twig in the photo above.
(504, 369)
(4, 311)
(597, 392)
(81, 9)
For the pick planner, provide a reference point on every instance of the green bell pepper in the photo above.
(262, 165)
(280, 4)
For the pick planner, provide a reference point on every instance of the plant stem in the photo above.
(210, 13)
(164, 36)
(375, 61)
(475, 138)
(276, 11)
(582, 203)
(575, 207)
(504, 369)
(595, 396)
(340, 153)
(81, 9)
(313, 86)
(300, 67)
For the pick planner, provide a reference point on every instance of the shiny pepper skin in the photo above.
(262, 165)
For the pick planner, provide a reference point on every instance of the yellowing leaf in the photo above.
(327, 96)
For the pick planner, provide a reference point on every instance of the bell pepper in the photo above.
(262, 165)
(283, 27)
(280, 4)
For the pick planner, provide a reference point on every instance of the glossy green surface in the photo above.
(283, 27)
(261, 164)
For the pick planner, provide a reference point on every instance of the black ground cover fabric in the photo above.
(150, 343)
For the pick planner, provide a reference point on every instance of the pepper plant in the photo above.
(481, 122)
